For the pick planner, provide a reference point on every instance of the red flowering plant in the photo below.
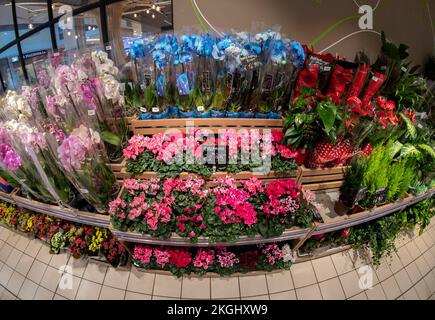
(190, 202)
(233, 215)
(204, 261)
(113, 251)
(44, 227)
(271, 257)
(279, 206)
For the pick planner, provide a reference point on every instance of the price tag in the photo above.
(91, 112)
(56, 54)
(380, 196)
(200, 108)
(326, 68)
(420, 126)
(404, 69)
(122, 86)
(108, 47)
(84, 191)
(361, 194)
(376, 79)
(142, 86)
(143, 110)
(155, 109)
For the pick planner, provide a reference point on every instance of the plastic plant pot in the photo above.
(275, 115)
(145, 116)
(204, 115)
(185, 115)
(246, 115)
(163, 115)
(218, 114)
(262, 115)
(174, 112)
(233, 114)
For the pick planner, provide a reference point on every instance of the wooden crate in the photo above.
(246, 175)
(119, 169)
(150, 127)
(326, 179)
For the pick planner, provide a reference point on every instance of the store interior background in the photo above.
(404, 21)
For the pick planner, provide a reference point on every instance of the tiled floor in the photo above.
(28, 271)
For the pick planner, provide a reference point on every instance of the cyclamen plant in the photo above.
(223, 212)
(171, 154)
(224, 261)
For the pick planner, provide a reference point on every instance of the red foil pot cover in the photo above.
(375, 84)
(340, 78)
(308, 78)
(359, 81)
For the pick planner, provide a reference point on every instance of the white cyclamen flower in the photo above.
(288, 254)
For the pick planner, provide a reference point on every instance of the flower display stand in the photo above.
(149, 127)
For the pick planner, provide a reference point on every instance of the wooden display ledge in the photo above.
(245, 175)
(346, 221)
(177, 241)
(73, 215)
(150, 127)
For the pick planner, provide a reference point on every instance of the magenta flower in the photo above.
(9, 158)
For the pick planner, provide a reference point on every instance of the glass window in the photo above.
(35, 48)
(127, 19)
(30, 14)
(66, 6)
(10, 68)
(81, 31)
(7, 33)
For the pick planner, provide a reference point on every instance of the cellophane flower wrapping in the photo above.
(206, 73)
(72, 104)
(38, 171)
(141, 95)
(163, 57)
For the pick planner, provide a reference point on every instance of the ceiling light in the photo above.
(76, 37)
(148, 11)
(135, 15)
(89, 28)
(93, 28)
(153, 15)
(30, 26)
(158, 9)
(68, 33)
(153, 6)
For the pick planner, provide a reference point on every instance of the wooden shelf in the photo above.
(149, 127)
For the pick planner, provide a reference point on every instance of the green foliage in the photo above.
(379, 236)
(376, 174)
(353, 180)
(394, 179)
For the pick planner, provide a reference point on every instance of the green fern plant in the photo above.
(394, 179)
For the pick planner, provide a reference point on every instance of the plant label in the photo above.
(155, 109)
(200, 108)
(91, 113)
(380, 196)
(143, 110)
(361, 194)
